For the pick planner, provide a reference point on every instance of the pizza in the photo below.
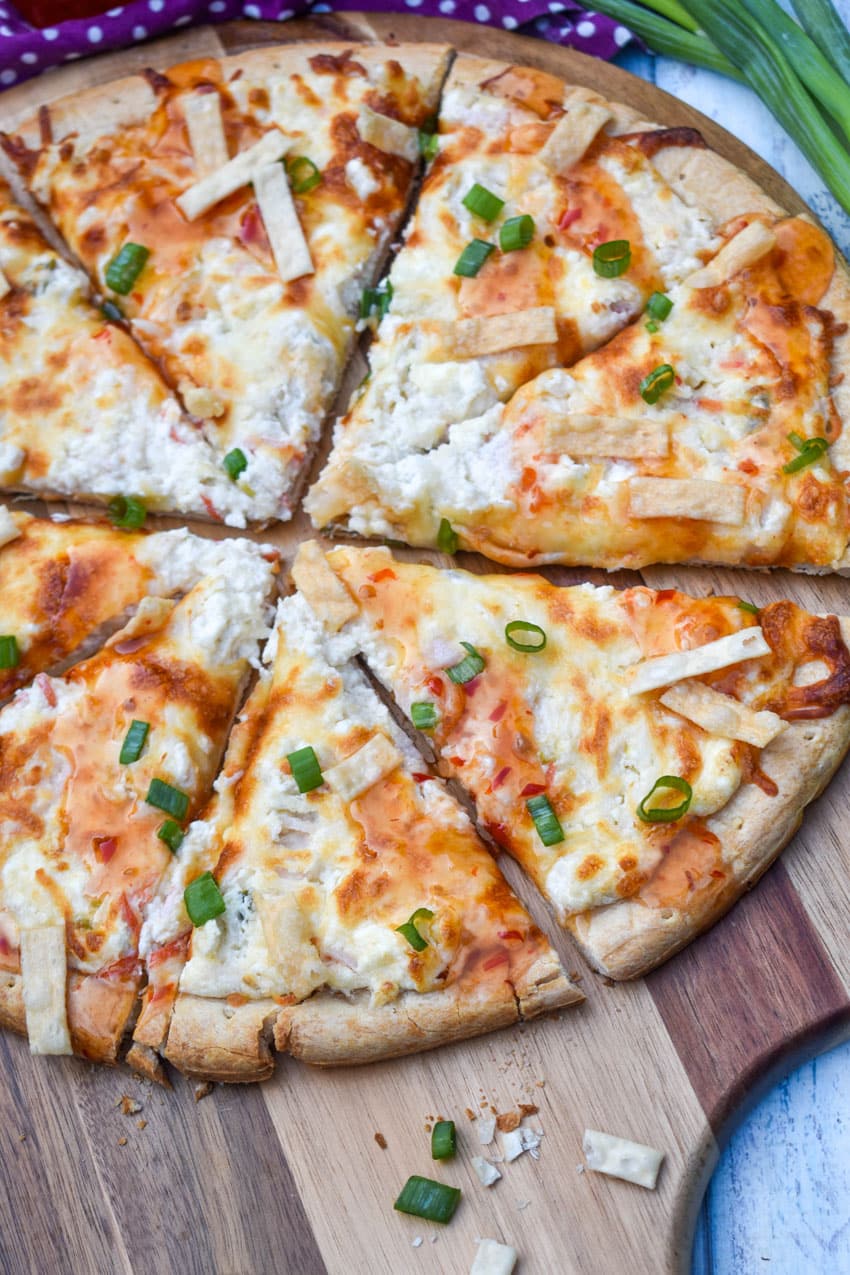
(100, 769)
(234, 213)
(335, 896)
(606, 347)
(644, 755)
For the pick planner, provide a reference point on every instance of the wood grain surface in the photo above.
(288, 1176)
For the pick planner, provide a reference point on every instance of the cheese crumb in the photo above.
(416, 1242)
(486, 1130)
(493, 1258)
(487, 1172)
(516, 1141)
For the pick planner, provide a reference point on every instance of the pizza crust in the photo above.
(100, 1012)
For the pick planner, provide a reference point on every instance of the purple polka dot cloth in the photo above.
(26, 50)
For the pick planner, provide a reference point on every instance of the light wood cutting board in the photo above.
(288, 1176)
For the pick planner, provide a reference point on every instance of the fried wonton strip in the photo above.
(388, 135)
(5, 285)
(326, 595)
(44, 973)
(572, 135)
(202, 113)
(615, 436)
(721, 714)
(664, 670)
(748, 246)
(237, 172)
(620, 1158)
(277, 209)
(494, 333)
(687, 498)
(363, 769)
(9, 529)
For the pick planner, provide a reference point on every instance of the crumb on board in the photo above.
(141, 1124)
(128, 1105)
(22, 1137)
(200, 1089)
(381, 1141)
(522, 1204)
(122, 1142)
(507, 1121)
(427, 1127)
(416, 1242)
(527, 1109)
(469, 1113)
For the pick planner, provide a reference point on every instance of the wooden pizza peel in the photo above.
(288, 1176)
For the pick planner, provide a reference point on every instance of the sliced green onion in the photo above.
(447, 541)
(666, 814)
(423, 715)
(483, 203)
(749, 607)
(811, 450)
(538, 636)
(473, 257)
(125, 267)
(10, 654)
(168, 798)
(134, 742)
(305, 768)
(517, 232)
(172, 834)
(110, 310)
(546, 822)
(127, 512)
(651, 325)
(303, 174)
(423, 1197)
(429, 144)
(470, 666)
(203, 899)
(410, 932)
(659, 305)
(613, 258)
(235, 462)
(378, 299)
(660, 380)
(443, 1140)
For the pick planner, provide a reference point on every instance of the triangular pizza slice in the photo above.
(236, 211)
(644, 755)
(335, 896)
(99, 771)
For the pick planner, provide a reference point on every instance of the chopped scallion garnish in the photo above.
(302, 173)
(447, 541)
(613, 258)
(659, 306)
(305, 768)
(127, 512)
(125, 267)
(423, 715)
(410, 932)
(235, 462)
(443, 1140)
(811, 450)
(536, 636)
(659, 380)
(10, 654)
(168, 798)
(483, 203)
(749, 607)
(473, 257)
(172, 834)
(517, 232)
(651, 326)
(470, 666)
(110, 310)
(203, 899)
(134, 742)
(429, 144)
(423, 1197)
(546, 822)
(666, 814)
(376, 300)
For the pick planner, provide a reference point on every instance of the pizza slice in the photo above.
(236, 212)
(335, 896)
(83, 412)
(99, 771)
(644, 755)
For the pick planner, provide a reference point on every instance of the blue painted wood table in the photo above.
(779, 1200)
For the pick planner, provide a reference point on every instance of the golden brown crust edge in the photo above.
(99, 1013)
(628, 939)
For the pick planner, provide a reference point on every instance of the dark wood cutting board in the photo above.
(288, 1176)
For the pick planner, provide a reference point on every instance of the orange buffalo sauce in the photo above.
(692, 863)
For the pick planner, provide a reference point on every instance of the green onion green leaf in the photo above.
(423, 1197)
(134, 742)
(666, 814)
(811, 450)
(110, 310)
(168, 798)
(613, 258)
(443, 1140)
(376, 300)
(517, 232)
(235, 462)
(410, 932)
(203, 899)
(429, 144)
(536, 640)
(126, 512)
(546, 822)
(305, 768)
(473, 257)
(660, 380)
(470, 666)
(447, 541)
(125, 267)
(10, 654)
(302, 173)
(749, 607)
(423, 715)
(659, 306)
(651, 326)
(483, 203)
(172, 834)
